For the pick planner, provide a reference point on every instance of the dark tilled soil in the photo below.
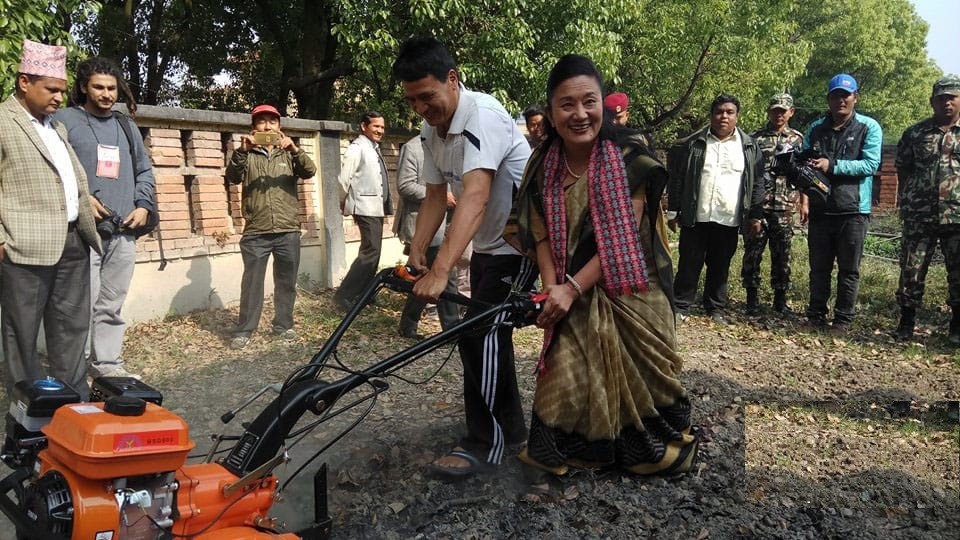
(804, 435)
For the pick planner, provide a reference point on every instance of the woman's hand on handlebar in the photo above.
(558, 302)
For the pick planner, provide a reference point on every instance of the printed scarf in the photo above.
(622, 262)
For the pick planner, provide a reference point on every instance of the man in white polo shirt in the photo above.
(471, 143)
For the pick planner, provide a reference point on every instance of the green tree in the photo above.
(332, 59)
(881, 43)
(44, 21)
(161, 43)
(679, 55)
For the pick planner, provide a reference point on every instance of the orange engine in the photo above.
(120, 474)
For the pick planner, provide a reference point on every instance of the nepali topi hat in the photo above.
(43, 60)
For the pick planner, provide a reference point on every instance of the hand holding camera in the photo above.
(109, 223)
(803, 170)
(267, 138)
(99, 210)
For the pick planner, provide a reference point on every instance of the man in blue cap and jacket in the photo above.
(847, 148)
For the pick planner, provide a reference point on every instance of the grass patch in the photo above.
(882, 246)
(877, 309)
(914, 351)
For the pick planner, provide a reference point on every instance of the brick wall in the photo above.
(200, 212)
(885, 182)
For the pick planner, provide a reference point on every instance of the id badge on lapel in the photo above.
(108, 161)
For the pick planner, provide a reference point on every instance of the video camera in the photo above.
(793, 164)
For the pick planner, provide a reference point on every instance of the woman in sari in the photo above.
(588, 212)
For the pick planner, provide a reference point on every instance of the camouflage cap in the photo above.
(781, 101)
(949, 84)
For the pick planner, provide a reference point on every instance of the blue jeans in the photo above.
(840, 239)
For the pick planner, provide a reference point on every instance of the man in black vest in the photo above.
(848, 144)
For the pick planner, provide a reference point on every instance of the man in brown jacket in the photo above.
(268, 164)
(46, 227)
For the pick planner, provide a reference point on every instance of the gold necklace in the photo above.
(570, 172)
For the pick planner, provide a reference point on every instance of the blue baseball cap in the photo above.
(842, 82)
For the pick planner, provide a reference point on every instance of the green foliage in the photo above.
(333, 59)
(157, 41)
(881, 43)
(44, 21)
(490, 40)
(680, 55)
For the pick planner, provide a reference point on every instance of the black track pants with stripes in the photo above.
(494, 411)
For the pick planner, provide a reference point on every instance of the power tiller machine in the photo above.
(116, 468)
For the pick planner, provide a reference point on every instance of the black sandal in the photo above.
(459, 473)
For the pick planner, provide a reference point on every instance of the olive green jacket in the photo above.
(269, 180)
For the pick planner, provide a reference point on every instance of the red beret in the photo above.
(616, 102)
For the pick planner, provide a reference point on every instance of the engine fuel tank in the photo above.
(101, 445)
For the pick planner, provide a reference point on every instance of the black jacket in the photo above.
(854, 154)
(685, 164)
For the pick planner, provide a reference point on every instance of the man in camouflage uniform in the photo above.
(778, 205)
(928, 172)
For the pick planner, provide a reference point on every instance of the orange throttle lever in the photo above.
(406, 272)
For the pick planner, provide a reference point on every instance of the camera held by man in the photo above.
(110, 223)
(266, 138)
(793, 164)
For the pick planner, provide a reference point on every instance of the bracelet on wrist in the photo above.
(575, 284)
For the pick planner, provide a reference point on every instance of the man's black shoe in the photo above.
(780, 302)
(904, 331)
(817, 322)
(411, 335)
(753, 302)
(343, 303)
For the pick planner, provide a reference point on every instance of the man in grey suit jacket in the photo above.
(46, 228)
(365, 194)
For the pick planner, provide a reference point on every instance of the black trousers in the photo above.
(256, 250)
(494, 411)
(59, 295)
(364, 267)
(840, 239)
(704, 243)
(448, 312)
